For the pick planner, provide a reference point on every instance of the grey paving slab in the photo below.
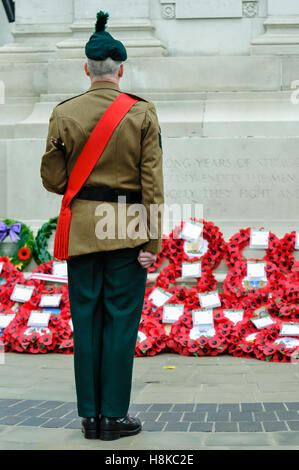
(153, 425)
(274, 406)
(241, 416)
(288, 415)
(246, 426)
(201, 427)
(293, 425)
(229, 407)
(176, 426)
(148, 416)
(264, 416)
(195, 417)
(251, 406)
(75, 424)
(12, 420)
(33, 421)
(292, 405)
(270, 426)
(226, 427)
(221, 416)
(56, 423)
(171, 416)
(183, 407)
(200, 407)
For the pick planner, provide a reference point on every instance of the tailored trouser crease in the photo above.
(106, 292)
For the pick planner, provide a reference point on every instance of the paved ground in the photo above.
(204, 403)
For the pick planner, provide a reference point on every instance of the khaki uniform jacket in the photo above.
(131, 160)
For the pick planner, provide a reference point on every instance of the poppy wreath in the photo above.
(60, 321)
(66, 346)
(289, 291)
(239, 241)
(179, 295)
(9, 277)
(7, 290)
(283, 255)
(232, 284)
(281, 308)
(40, 250)
(211, 233)
(21, 338)
(22, 239)
(265, 349)
(3, 312)
(12, 331)
(274, 350)
(151, 338)
(169, 274)
(241, 345)
(161, 256)
(202, 346)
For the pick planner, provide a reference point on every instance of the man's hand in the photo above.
(146, 258)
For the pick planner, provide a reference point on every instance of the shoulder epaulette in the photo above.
(69, 99)
(137, 97)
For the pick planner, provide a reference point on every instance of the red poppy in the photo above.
(24, 253)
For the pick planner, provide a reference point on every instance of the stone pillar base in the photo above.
(137, 36)
(281, 37)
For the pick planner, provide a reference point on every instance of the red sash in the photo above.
(84, 165)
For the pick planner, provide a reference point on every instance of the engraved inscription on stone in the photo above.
(231, 183)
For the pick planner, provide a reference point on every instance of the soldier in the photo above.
(106, 274)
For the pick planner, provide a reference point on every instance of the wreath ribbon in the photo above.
(11, 231)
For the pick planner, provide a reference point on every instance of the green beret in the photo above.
(102, 45)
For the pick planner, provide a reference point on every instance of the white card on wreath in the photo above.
(289, 329)
(1, 267)
(192, 231)
(38, 318)
(296, 241)
(196, 332)
(287, 341)
(191, 269)
(172, 312)
(262, 322)
(141, 337)
(50, 300)
(6, 319)
(256, 270)
(234, 315)
(250, 338)
(259, 238)
(59, 269)
(159, 296)
(72, 326)
(196, 249)
(22, 293)
(209, 299)
(203, 317)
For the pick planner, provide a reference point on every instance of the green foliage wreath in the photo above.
(40, 251)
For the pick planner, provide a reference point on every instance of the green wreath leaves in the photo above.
(40, 251)
(20, 252)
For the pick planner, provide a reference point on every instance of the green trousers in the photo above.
(106, 292)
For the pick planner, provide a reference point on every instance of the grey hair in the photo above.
(103, 68)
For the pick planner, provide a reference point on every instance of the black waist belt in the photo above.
(101, 193)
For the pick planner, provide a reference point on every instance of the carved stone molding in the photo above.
(250, 9)
(168, 11)
(174, 9)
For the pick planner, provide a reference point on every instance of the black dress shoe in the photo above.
(114, 428)
(91, 427)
